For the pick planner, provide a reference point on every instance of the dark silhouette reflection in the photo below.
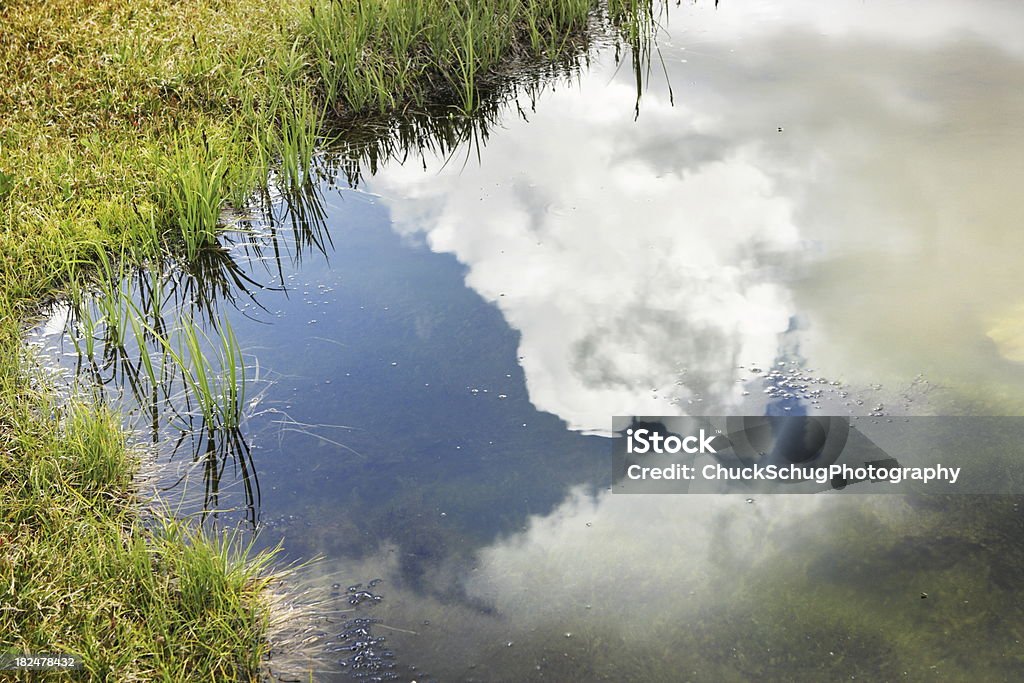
(362, 146)
(637, 39)
(297, 222)
(211, 450)
(215, 276)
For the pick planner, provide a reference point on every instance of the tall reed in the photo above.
(194, 194)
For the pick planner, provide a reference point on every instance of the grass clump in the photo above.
(81, 574)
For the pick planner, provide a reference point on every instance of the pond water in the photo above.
(436, 354)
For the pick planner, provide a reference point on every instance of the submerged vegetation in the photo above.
(127, 130)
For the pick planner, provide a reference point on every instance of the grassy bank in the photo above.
(80, 574)
(137, 122)
(128, 128)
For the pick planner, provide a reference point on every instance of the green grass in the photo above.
(137, 122)
(218, 385)
(79, 572)
(126, 130)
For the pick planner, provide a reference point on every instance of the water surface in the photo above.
(828, 191)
